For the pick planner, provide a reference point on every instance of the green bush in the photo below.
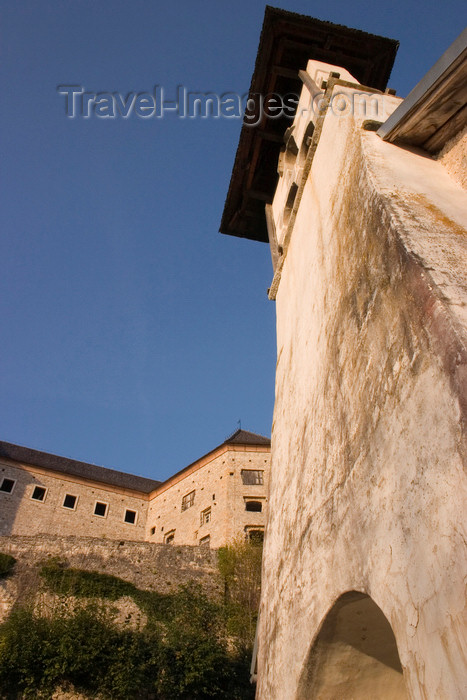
(7, 563)
(181, 654)
(86, 650)
(240, 567)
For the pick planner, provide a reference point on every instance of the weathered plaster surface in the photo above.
(368, 488)
(454, 158)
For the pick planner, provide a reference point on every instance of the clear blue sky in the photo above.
(133, 334)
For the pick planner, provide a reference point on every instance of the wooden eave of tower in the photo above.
(288, 41)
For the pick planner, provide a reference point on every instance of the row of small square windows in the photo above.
(70, 501)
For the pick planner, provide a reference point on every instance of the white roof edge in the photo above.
(429, 79)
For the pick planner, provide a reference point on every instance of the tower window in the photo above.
(254, 506)
(251, 477)
(170, 537)
(188, 500)
(205, 516)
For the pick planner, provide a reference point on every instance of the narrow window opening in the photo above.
(7, 485)
(100, 509)
(70, 501)
(170, 537)
(188, 500)
(205, 516)
(290, 201)
(205, 541)
(255, 536)
(130, 516)
(251, 477)
(254, 506)
(39, 493)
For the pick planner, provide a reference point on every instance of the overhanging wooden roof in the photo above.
(436, 109)
(288, 40)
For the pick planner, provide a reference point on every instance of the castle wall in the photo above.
(148, 566)
(214, 514)
(218, 509)
(368, 486)
(20, 514)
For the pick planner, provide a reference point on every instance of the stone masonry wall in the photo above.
(20, 515)
(148, 566)
(218, 486)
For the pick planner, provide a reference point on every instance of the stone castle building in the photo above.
(362, 198)
(220, 497)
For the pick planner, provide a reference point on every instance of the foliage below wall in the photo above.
(190, 647)
(7, 563)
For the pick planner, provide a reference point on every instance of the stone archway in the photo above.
(354, 655)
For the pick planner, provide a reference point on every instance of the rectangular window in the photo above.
(252, 477)
(254, 506)
(205, 541)
(70, 501)
(169, 538)
(188, 500)
(205, 516)
(130, 516)
(254, 535)
(39, 493)
(7, 485)
(153, 531)
(100, 509)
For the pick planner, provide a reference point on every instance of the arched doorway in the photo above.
(354, 656)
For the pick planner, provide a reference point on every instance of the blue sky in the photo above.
(134, 335)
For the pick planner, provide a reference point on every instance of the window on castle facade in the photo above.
(251, 477)
(70, 501)
(254, 506)
(38, 493)
(254, 535)
(100, 509)
(170, 537)
(130, 516)
(188, 500)
(205, 541)
(205, 516)
(7, 485)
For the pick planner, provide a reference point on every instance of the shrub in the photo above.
(181, 654)
(7, 563)
(240, 567)
(85, 649)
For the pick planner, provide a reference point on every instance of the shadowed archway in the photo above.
(354, 655)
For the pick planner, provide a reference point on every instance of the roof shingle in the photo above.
(84, 470)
